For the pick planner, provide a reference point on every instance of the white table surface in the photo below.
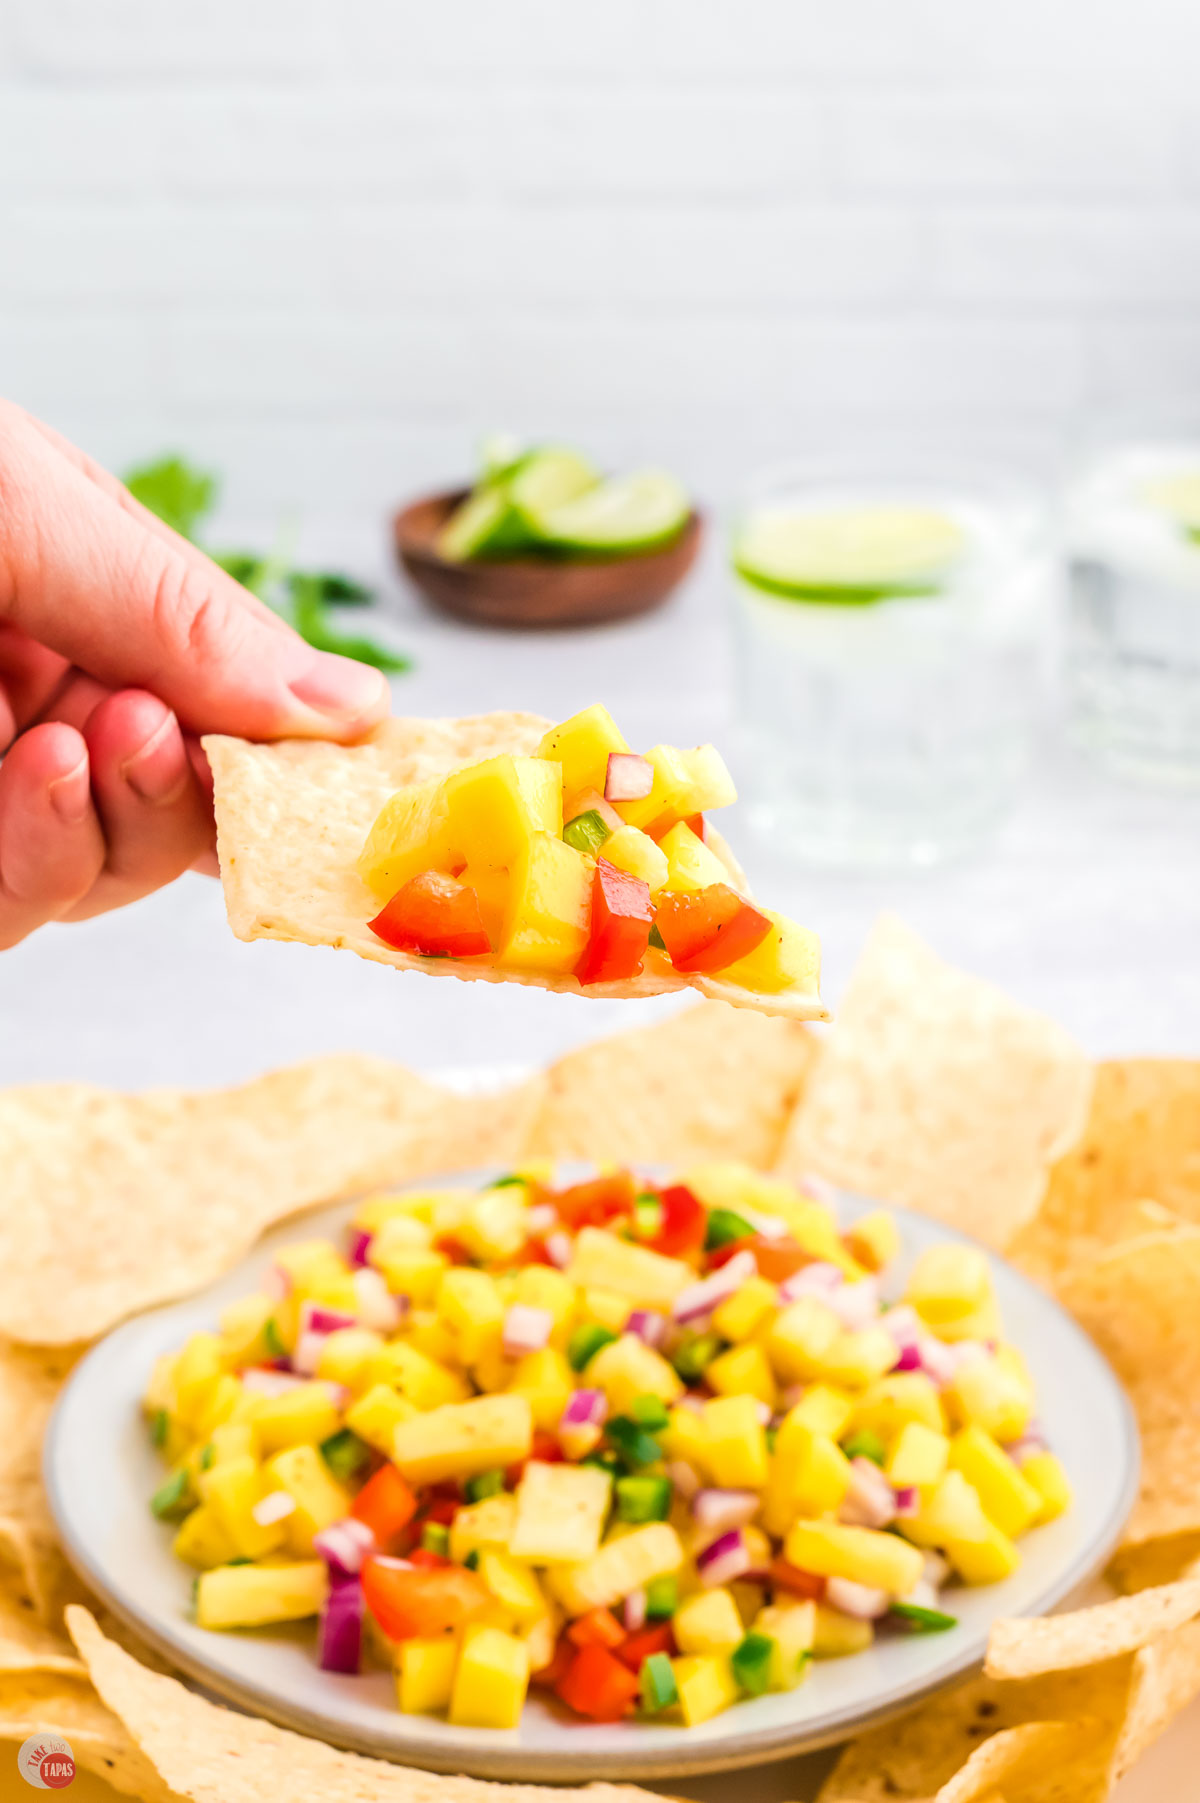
(1087, 905)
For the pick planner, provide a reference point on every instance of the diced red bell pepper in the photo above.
(599, 1627)
(596, 1202)
(695, 824)
(385, 1504)
(708, 929)
(785, 1576)
(421, 1600)
(597, 1685)
(552, 1673)
(435, 915)
(442, 1509)
(683, 1225)
(545, 1449)
(533, 1252)
(635, 1649)
(427, 1559)
(620, 927)
(453, 1249)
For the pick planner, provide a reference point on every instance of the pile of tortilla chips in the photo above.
(933, 1090)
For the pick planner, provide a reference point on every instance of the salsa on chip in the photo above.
(651, 1446)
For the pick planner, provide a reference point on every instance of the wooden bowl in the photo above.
(536, 591)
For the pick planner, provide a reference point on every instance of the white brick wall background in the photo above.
(325, 243)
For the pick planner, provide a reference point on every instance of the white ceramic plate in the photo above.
(101, 1471)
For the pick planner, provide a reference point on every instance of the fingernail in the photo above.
(158, 770)
(340, 687)
(70, 795)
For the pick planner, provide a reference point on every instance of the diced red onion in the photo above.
(340, 1634)
(264, 1382)
(968, 1352)
(907, 1501)
(1033, 1440)
(903, 1323)
(764, 1412)
(719, 1510)
(727, 1558)
(818, 1279)
(908, 1359)
(585, 1406)
(856, 1305)
(358, 1246)
(542, 1218)
(277, 1284)
(343, 1547)
(937, 1361)
(276, 1506)
(634, 1611)
(683, 1478)
(923, 1595)
(701, 1298)
(307, 1354)
(377, 1307)
(862, 1601)
(869, 1502)
(648, 1325)
(526, 1329)
(316, 1318)
(629, 777)
(559, 1249)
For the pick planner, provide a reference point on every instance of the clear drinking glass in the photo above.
(1132, 532)
(887, 714)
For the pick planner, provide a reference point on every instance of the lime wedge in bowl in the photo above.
(848, 555)
(629, 514)
(486, 524)
(547, 480)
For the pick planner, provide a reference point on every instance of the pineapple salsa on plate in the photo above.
(584, 860)
(652, 1446)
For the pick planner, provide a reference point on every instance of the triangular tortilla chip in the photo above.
(938, 1092)
(292, 819)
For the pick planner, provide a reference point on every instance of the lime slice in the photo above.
(1179, 496)
(484, 525)
(546, 480)
(853, 554)
(629, 514)
(500, 453)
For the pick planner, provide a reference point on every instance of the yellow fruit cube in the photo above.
(748, 1309)
(514, 1587)
(541, 1638)
(320, 1500)
(607, 1307)
(375, 1212)
(948, 1282)
(636, 853)
(1008, 1499)
(231, 1440)
(989, 1395)
(903, 1396)
(690, 864)
(307, 1414)
(987, 1560)
(377, 1414)
(412, 1271)
(788, 958)
(461, 1439)
(708, 1622)
(685, 782)
(918, 1456)
(242, 1327)
(346, 1356)
(411, 833)
(799, 1338)
(415, 1376)
(547, 907)
(200, 1364)
(491, 1680)
(621, 1565)
(628, 1368)
(874, 1239)
(230, 1491)
(494, 1225)
(983, 1324)
(470, 1305)
(685, 1437)
(856, 1360)
(601, 1261)
(821, 1476)
(706, 1685)
(202, 1541)
(736, 1442)
(825, 1410)
(160, 1391)
(560, 1512)
(864, 1555)
(950, 1511)
(425, 1674)
(538, 1286)
(483, 1524)
(581, 746)
(251, 1596)
(428, 1333)
(222, 1405)
(835, 1635)
(743, 1370)
(547, 1379)
(1046, 1475)
(791, 1628)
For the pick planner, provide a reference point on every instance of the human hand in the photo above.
(119, 644)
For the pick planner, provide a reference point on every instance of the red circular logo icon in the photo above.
(46, 1762)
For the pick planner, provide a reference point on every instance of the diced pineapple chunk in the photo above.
(581, 746)
(748, 1309)
(948, 1282)
(376, 1416)
(708, 1622)
(494, 1225)
(835, 1635)
(560, 1513)
(1008, 1499)
(242, 1326)
(743, 1370)
(706, 1686)
(685, 1437)
(373, 1211)
(514, 1587)
(864, 1555)
(483, 1524)
(540, 1287)
(470, 1305)
(160, 1391)
(800, 1336)
(347, 1356)
(621, 1565)
(230, 1490)
(545, 909)
(430, 1335)
(251, 1596)
(200, 1364)
(918, 1456)
(608, 1307)
(541, 1638)
(987, 1560)
(412, 1271)
(320, 1500)
(900, 1397)
(983, 1324)
(491, 1680)
(425, 1674)
(856, 1360)
(788, 958)
(417, 1377)
(627, 1368)
(463, 1438)
(223, 1401)
(202, 1541)
(735, 1442)
(685, 782)
(791, 1628)
(951, 1511)
(989, 1394)
(547, 1379)
(1045, 1473)
(305, 1415)
(601, 1261)
(821, 1475)
(824, 1410)
(690, 864)
(635, 852)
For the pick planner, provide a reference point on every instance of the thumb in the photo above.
(137, 608)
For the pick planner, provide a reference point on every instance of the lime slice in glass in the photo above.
(1178, 495)
(547, 480)
(628, 514)
(851, 554)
